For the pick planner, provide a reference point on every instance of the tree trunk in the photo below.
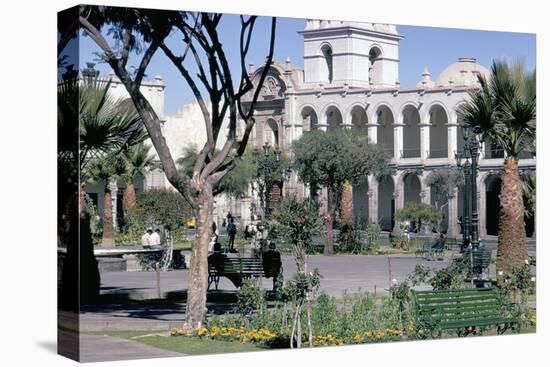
(108, 239)
(346, 206)
(512, 241)
(129, 199)
(331, 206)
(198, 272)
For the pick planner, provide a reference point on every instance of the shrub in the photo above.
(349, 239)
(325, 315)
(251, 298)
(400, 242)
(421, 274)
(373, 237)
(450, 277)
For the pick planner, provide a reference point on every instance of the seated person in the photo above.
(216, 258)
(146, 238)
(272, 263)
(154, 239)
(438, 245)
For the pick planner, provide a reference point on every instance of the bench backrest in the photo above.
(457, 306)
(243, 265)
(481, 258)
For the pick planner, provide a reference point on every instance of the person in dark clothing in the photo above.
(217, 257)
(438, 245)
(272, 264)
(231, 231)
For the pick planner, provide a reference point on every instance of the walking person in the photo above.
(231, 231)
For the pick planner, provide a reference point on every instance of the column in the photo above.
(424, 140)
(399, 197)
(453, 229)
(452, 132)
(397, 140)
(425, 190)
(114, 192)
(482, 205)
(373, 199)
(372, 133)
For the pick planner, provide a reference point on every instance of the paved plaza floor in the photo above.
(131, 310)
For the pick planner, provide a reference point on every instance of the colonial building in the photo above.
(351, 79)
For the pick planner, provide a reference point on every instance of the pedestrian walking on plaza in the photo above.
(231, 231)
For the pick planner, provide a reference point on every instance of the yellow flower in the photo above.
(368, 334)
(357, 338)
(421, 331)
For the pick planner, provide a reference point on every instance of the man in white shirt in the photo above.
(146, 238)
(155, 238)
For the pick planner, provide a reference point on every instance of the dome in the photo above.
(462, 73)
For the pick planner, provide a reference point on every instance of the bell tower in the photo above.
(352, 53)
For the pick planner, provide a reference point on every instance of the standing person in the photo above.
(271, 260)
(146, 238)
(155, 238)
(231, 231)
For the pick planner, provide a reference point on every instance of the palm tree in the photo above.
(108, 125)
(138, 161)
(503, 110)
(105, 170)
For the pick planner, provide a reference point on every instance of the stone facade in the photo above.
(351, 79)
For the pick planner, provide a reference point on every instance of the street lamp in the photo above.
(266, 167)
(471, 146)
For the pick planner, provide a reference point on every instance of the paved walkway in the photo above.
(130, 309)
(97, 348)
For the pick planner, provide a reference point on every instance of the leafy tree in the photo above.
(104, 170)
(297, 222)
(444, 181)
(91, 125)
(503, 110)
(330, 159)
(138, 161)
(422, 215)
(156, 207)
(232, 98)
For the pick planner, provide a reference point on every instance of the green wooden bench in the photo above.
(476, 263)
(236, 269)
(464, 311)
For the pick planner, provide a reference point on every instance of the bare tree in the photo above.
(201, 40)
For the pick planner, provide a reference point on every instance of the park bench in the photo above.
(236, 269)
(463, 311)
(476, 263)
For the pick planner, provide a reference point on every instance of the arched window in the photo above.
(327, 55)
(375, 65)
(271, 133)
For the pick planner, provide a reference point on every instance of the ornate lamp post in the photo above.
(470, 155)
(266, 166)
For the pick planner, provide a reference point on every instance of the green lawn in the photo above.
(185, 345)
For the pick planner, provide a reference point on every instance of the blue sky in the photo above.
(432, 47)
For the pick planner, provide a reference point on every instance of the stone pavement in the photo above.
(339, 274)
(96, 348)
